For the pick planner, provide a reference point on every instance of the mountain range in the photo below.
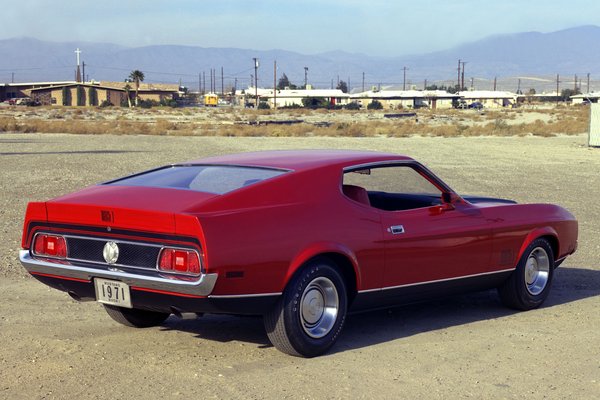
(533, 57)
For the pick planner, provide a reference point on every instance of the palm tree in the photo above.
(137, 76)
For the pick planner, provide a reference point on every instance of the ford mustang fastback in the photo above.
(298, 237)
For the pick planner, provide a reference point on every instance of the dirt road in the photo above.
(463, 347)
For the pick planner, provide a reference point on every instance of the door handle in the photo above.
(396, 229)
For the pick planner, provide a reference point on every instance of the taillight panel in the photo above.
(179, 261)
(46, 245)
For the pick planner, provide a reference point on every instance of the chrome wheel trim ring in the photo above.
(537, 271)
(319, 307)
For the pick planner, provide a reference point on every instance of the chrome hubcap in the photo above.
(319, 307)
(537, 271)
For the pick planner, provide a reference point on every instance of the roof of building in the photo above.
(487, 94)
(403, 94)
(297, 93)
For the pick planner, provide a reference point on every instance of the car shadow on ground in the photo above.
(374, 327)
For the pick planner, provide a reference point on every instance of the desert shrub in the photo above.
(313, 103)
(263, 105)
(169, 103)
(353, 106)
(106, 103)
(375, 105)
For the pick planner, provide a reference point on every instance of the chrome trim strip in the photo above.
(203, 286)
(434, 281)
(238, 296)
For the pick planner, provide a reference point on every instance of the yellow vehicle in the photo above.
(211, 100)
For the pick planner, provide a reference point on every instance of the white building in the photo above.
(489, 98)
(293, 97)
(398, 99)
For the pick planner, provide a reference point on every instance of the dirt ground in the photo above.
(52, 347)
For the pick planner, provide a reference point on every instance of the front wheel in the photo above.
(529, 284)
(309, 317)
(134, 317)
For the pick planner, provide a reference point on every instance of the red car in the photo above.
(299, 237)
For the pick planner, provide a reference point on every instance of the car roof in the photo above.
(301, 159)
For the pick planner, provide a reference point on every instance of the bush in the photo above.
(314, 103)
(66, 96)
(80, 96)
(106, 103)
(93, 93)
(263, 105)
(353, 106)
(169, 103)
(375, 105)
(148, 103)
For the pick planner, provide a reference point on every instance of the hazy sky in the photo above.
(374, 27)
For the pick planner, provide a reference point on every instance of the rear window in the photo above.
(217, 179)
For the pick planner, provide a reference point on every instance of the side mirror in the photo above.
(447, 200)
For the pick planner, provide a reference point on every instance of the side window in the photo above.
(391, 188)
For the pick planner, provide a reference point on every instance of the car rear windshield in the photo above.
(217, 179)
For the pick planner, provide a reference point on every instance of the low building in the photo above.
(411, 99)
(94, 94)
(489, 98)
(294, 97)
(585, 98)
(21, 90)
(78, 94)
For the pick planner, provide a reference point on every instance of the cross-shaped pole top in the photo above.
(78, 52)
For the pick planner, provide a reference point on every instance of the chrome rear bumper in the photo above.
(201, 286)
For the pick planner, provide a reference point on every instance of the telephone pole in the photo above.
(588, 82)
(363, 81)
(458, 77)
(462, 76)
(575, 88)
(222, 83)
(275, 84)
(495, 83)
(305, 77)
(404, 78)
(256, 81)
(557, 88)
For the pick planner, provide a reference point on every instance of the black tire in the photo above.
(530, 283)
(310, 315)
(136, 318)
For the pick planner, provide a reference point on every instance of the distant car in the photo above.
(476, 105)
(299, 237)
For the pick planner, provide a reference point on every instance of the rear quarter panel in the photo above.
(257, 239)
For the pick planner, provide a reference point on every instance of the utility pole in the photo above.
(575, 88)
(462, 76)
(275, 84)
(404, 78)
(472, 81)
(203, 82)
(588, 82)
(519, 87)
(83, 71)
(363, 82)
(305, 77)
(458, 78)
(222, 84)
(495, 83)
(557, 88)
(255, 82)
(199, 83)
(425, 85)
(12, 79)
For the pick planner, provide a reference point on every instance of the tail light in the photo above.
(179, 261)
(49, 245)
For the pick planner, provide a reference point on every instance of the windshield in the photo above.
(217, 179)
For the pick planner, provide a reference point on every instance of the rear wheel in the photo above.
(134, 317)
(529, 284)
(309, 317)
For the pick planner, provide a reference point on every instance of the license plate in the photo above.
(115, 293)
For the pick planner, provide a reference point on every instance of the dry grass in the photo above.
(234, 122)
